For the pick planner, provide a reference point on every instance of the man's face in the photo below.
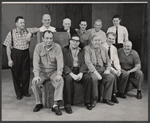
(48, 39)
(46, 20)
(20, 23)
(127, 47)
(74, 42)
(67, 24)
(110, 39)
(116, 21)
(83, 25)
(98, 26)
(96, 41)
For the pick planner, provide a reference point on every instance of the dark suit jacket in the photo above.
(68, 60)
(72, 31)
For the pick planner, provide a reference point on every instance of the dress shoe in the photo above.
(56, 110)
(19, 97)
(121, 95)
(94, 103)
(89, 106)
(114, 99)
(108, 102)
(27, 95)
(37, 107)
(68, 110)
(139, 95)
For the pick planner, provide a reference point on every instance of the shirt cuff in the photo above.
(36, 73)
(59, 73)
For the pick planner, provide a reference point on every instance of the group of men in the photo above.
(102, 63)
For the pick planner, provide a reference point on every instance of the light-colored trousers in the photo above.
(58, 92)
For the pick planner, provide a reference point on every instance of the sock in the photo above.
(55, 104)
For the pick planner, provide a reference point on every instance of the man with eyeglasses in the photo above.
(75, 70)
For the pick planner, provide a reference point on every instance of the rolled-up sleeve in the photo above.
(8, 40)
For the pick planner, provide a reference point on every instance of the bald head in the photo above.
(46, 20)
(66, 23)
(127, 46)
(127, 43)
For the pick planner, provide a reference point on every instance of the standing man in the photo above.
(130, 62)
(75, 70)
(17, 49)
(96, 30)
(98, 63)
(82, 31)
(120, 31)
(67, 27)
(120, 74)
(48, 64)
(46, 20)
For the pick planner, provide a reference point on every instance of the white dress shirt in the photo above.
(114, 55)
(122, 33)
(52, 29)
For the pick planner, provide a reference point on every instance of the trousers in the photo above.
(21, 71)
(58, 92)
(86, 81)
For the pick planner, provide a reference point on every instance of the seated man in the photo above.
(67, 27)
(130, 62)
(121, 75)
(98, 63)
(48, 64)
(75, 70)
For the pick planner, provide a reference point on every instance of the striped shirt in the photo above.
(19, 39)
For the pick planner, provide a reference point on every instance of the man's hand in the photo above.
(118, 73)
(10, 63)
(98, 75)
(58, 78)
(36, 80)
(35, 29)
(107, 72)
(75, 77)
(80, 75)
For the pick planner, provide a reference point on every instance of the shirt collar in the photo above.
(23, 30)
(46, 28)
(44, 46)
(76, 49)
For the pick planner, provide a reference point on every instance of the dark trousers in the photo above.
(86, 81)
(21, 71)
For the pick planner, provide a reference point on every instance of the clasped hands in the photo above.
(99, 76)
(77, 77)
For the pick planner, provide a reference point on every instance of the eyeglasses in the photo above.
(75, 41)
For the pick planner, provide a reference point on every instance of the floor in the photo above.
(130, 109)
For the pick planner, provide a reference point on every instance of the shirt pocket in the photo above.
(53, 59)
(43, 58)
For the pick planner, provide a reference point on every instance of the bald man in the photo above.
(131, 63)
(67, 27)
(46, 20)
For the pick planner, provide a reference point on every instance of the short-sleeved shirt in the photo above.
(19, 39)
(128, 62)
(52, 29)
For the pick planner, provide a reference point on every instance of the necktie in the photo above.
(116, 35)
(109, 53)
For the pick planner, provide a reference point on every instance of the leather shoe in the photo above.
(68, 110)
(139, 95)
(94, 103)
(121, 95)
(56, 110)
(27, 95)
(89, 106)
(19, 97)
(37, 107)
(108, 102)
(114, 99)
